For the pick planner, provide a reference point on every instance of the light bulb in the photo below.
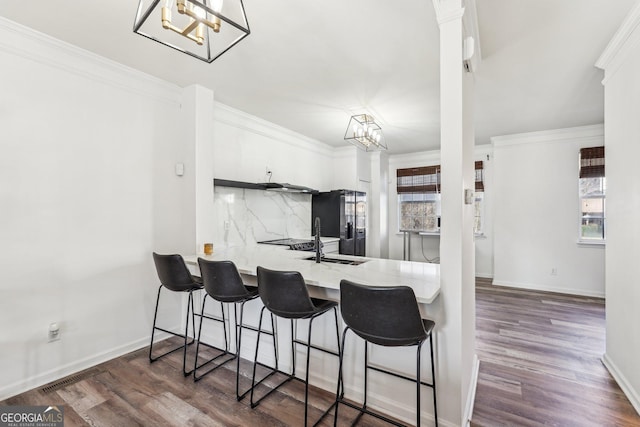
(200, 13)
(217, 5)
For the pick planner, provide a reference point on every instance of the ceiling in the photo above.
(308, 66)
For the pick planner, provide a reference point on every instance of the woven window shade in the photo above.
(479, 176)
(419, 180)
(592, 162)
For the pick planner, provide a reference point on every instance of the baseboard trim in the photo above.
(74, 367)
(535, 287)
(617, 375)
(471, 396)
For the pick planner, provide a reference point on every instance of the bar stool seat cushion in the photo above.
(386, 316)
(287, 295)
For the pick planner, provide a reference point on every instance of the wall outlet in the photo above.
(54, 332)
(226, 225)
(554, 271)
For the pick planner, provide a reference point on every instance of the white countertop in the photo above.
(424, 278)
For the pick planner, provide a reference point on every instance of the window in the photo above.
(419, 211)
(592, 189)
(478, 204)
(419, 199)
(478, 213)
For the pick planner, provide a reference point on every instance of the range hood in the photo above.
(271, 186)
(287, 188)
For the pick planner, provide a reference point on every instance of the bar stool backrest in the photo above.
(173, 272)
(387, 316)
(222, 280)
(284, 293)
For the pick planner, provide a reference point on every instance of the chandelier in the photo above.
(204, 29)
(365, 133)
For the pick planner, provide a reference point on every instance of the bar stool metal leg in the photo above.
(223, 352)
(183, 347)
(433, 379)
(239, 327)
(418, 351)
(255, 363)
(186, 329)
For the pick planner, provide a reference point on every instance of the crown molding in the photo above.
(24, 42)
(422, 158)
(432, 157)
(547, 136)
(447, 11)
(245, 121)
(620, 39)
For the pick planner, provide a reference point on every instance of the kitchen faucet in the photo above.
(318, 244)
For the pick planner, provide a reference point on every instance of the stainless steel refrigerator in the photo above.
(342, 214)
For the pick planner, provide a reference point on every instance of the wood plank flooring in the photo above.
(539, 366)
(540, 361)
(129, 391)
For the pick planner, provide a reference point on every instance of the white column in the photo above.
(457, 253)
(621, 62)
(197, 113)
(377, 231)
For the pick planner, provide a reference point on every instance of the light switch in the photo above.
(179, 169)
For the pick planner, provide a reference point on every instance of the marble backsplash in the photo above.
(244, 216)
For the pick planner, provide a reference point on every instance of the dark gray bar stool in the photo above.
(389, 317)
(175, 276)
(223, 283)
(285, 295)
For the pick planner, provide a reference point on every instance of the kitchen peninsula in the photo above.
(423, 278)
(391, 396)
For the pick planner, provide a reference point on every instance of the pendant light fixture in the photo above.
(365, 133)
(204, 29)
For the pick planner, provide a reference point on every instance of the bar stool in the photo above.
(223, 283)
(285, 295)
(389, 317)
(175, 276)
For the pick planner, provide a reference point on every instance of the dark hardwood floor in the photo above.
(540, 361)
(129, 391)
(539, 366)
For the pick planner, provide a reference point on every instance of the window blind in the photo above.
(479, 176)
(592, 162)
(426, 179)
(419, 180)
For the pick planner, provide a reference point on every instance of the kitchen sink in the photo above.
(336, 260)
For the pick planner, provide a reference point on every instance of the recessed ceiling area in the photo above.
(309, 66)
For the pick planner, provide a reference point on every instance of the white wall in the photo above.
(425, 248)
(88, 192)
(345, 171)
(621, 62)
(536, 213)
(245, 146)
